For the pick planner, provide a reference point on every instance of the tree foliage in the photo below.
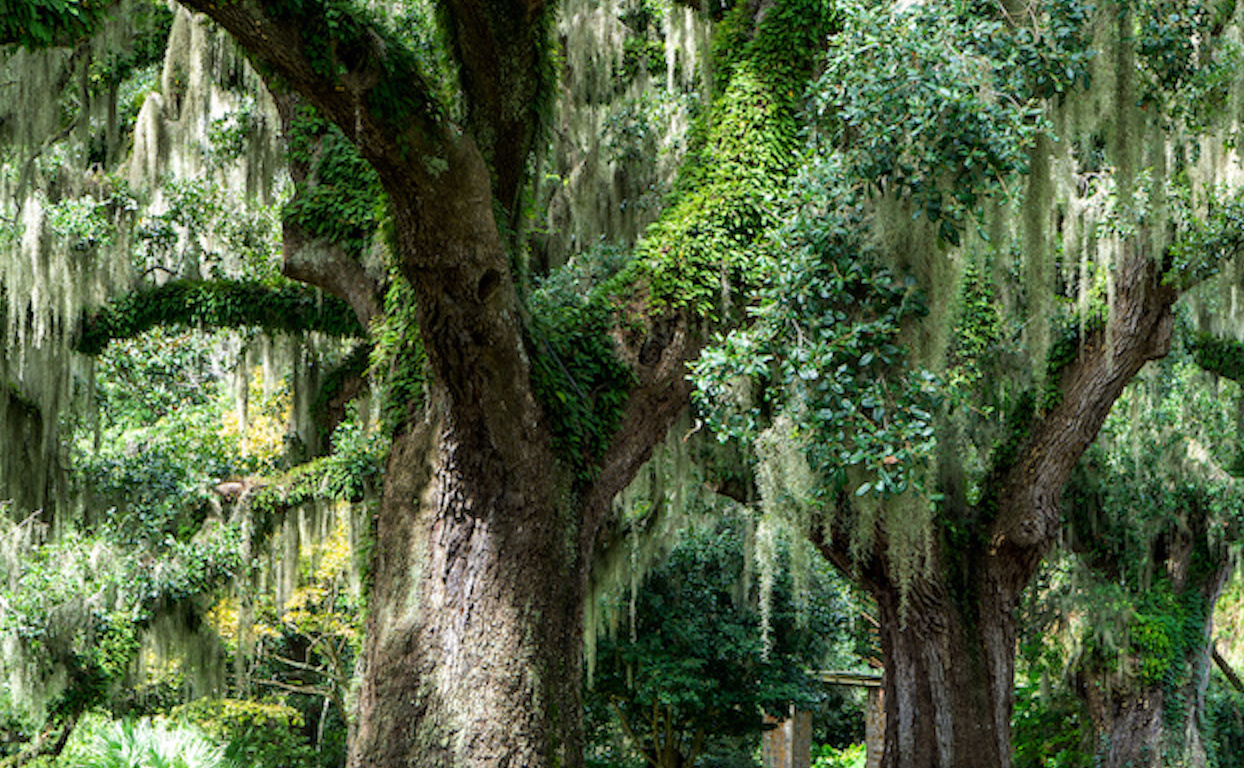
(692, 663)
(288, 307)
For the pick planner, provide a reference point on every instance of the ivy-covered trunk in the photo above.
(1146, 701)
(1150, 714)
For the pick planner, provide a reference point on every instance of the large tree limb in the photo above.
(659, 358)
(502, 53)
(349, 72)
(1139, 329)
(217, 304)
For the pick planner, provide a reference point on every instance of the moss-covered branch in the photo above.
(1222, 357)
(218, 304)
(354, 70)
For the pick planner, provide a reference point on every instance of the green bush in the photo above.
(847, 757)
(257, 734)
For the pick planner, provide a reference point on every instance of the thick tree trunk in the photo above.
(1128, 725)
(474, 635)
(1149, 725)
(949, 668)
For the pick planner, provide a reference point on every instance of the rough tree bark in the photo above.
(950, 653)
(1140, 720)
(474, 634)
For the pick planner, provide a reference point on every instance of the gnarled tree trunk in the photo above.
(474, 634)
(1149, 720)
(949, 654)
(949, 675)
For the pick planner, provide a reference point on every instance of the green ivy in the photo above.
(354, 365)
(290, 308)
(1222, 357)
(574, 369)
(706, 246)
(397, 359)
(339, 34)
(46, 23)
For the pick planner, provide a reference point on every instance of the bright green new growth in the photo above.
(341, 199)
(704, 252)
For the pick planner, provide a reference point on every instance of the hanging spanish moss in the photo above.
(632, 75)
(670, 495)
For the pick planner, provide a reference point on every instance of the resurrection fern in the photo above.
(704, 251)
(397, 362)
(291, 308)
(340, 199)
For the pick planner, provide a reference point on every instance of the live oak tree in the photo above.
(1154, 519)
(502, 467)
(503, 470)
(1006, 203)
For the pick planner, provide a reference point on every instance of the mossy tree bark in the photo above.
(484, 533)
(1139, 720)
(949, 640)
(1147, 711)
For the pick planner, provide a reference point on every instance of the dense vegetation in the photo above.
(317, 455)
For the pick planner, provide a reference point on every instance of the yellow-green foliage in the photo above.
(258, 734)
(702, 252)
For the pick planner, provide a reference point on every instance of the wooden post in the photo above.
(789, 743)
(874, 727)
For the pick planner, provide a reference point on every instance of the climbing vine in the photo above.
(703, 253)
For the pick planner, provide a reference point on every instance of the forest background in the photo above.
(350, 338)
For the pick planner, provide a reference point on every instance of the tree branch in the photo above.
(217, 304)
(502, 50)
(1227, 671)
(1139, 329)
(306, 690)
(631, 734)
(357, 77)
(659, 359)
